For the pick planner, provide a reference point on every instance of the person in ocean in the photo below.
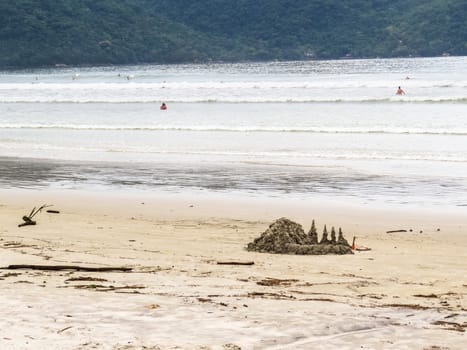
(400, 91)
(163, 106)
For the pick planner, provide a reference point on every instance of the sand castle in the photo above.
(287, 237)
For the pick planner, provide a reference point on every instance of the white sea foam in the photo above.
(233, 92)
(242, 129)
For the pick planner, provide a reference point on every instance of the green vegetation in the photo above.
(88, 32)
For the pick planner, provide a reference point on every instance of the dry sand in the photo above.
(408, 292)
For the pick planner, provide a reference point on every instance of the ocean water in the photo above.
(311, 130)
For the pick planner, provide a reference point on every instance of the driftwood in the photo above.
(104, 288)
(235, 263)
(84, 278)
(453, 326)
(396, 231)
(53, 211)
(16, 245)
(28, 219)
(268, 281)
(64, 329)
(66, 267)
(272, 295)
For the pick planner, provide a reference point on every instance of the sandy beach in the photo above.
(407, 292)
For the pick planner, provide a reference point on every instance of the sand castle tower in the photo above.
(333, 236)
(324, 239)
(313, 234)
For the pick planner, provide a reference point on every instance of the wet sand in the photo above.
(407, 292)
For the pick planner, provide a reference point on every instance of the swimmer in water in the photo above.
(400, 91)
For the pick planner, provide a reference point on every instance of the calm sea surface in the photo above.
(316, 129)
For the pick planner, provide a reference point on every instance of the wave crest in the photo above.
(259, 129)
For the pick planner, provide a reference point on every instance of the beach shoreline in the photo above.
(407, 292)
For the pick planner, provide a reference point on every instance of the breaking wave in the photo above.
(233, 129)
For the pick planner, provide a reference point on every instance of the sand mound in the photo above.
(287, 237)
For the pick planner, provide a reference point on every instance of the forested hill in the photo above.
(88, 32)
